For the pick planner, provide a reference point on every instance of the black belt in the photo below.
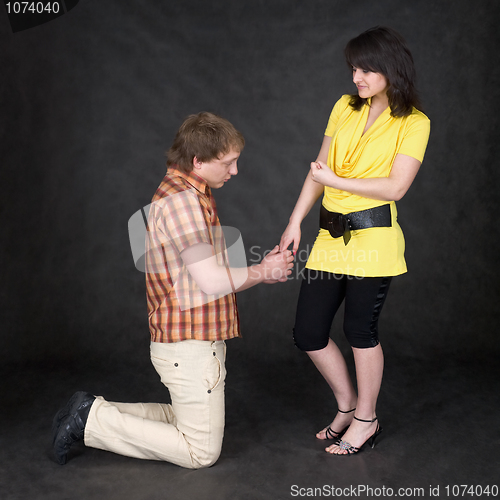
(341, 225)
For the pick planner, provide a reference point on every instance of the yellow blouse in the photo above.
(374, 251)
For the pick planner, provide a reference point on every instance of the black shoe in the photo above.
(344, 445)
(69, 424)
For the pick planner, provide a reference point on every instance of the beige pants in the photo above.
(188, 432)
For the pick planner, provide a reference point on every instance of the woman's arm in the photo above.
(392, 188)
(311, 191)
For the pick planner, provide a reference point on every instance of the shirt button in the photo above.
(176, 364)
(209, 391)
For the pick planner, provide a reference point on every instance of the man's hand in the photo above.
(276, 266)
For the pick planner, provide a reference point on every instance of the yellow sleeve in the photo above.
(337, 110)
(416, 136)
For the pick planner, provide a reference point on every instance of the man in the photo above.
(192, 311)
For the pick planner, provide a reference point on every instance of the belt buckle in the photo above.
(338, 226)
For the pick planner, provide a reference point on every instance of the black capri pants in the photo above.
(320, 296)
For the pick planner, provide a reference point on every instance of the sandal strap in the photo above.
(331, 433)
(350, 411)
(367, 421)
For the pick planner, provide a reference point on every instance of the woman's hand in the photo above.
(322, 174)
(392, 188)
(291, 234)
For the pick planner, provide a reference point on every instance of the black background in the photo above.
(92, 100)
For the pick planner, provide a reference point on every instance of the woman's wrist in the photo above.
(295, 220)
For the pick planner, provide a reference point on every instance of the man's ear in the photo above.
(197, 163)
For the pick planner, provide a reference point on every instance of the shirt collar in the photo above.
(191, 178)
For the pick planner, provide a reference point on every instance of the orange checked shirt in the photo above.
(183, 213)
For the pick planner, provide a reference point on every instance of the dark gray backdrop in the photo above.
(91, 101)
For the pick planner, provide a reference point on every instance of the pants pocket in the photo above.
(213, 373)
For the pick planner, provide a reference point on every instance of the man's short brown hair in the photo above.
(206, 136)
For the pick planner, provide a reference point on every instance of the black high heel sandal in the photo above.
(331, 434)
(344, 445)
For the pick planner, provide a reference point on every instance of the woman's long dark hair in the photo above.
(383, 50)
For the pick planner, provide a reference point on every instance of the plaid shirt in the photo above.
(183, 213)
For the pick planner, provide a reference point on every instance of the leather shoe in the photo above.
(69, 424)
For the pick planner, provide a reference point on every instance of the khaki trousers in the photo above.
(187, 432)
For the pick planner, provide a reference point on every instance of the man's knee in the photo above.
(207, 460)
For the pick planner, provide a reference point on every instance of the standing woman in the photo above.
(373, 146)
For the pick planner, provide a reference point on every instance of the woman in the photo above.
(372, 149)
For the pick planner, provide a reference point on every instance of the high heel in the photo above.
(331, 434)
(344, 445)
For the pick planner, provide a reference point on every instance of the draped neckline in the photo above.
(351, 150)
(365, 121)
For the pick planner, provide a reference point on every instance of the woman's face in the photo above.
(370, 84)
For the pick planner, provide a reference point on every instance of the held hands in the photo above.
(322, 174)
(291, 234)
(276, 266)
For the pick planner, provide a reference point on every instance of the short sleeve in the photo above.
(416, 136)
(337, 110)
(181, 221)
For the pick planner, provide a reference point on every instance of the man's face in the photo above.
(218, 171)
